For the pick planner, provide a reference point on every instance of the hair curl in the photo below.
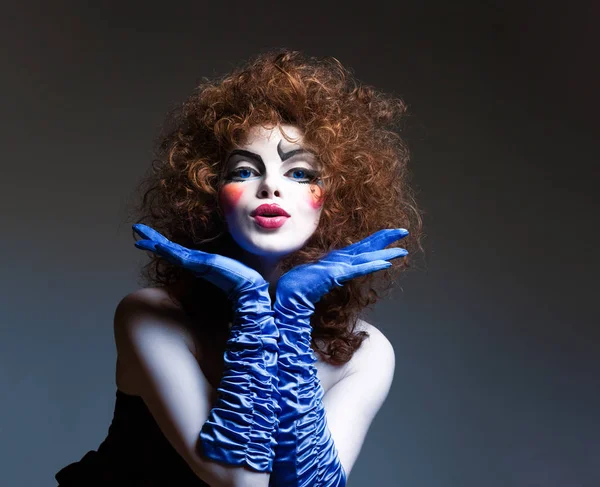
(354, 131)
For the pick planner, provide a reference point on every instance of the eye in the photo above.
(241, 173)
(303, 175)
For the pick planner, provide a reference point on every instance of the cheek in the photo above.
(315, 193)
(229, 195)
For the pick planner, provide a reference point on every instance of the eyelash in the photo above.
(310, 175)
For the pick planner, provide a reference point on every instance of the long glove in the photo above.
(305, 454)
(241, 427)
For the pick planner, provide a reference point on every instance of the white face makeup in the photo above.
(268, 169)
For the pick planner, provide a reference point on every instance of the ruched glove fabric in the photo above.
(241, 427)
(305, 454)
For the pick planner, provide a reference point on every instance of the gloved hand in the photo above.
(305, 454)
(241, 427)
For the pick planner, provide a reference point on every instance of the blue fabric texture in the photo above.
(305, 454)
(240, 427)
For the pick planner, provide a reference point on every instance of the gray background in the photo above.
(496, 334)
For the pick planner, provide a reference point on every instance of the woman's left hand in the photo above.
(312, 281)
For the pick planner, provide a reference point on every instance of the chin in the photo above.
(271, 250)
(269, 247)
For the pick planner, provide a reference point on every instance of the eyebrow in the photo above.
(287, 155)
(283, 155)
(246, 153)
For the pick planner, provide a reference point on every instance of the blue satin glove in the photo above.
(305, 454)
(240, 429)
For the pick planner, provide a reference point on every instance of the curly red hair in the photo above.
(353, 129)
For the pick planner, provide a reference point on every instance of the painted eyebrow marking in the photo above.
(246, 153)
(287, 155)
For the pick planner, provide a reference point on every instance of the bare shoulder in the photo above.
(376, 351)
(352, 404)
(152, 295)
(158, 310)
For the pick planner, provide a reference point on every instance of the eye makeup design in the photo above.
(242, 173)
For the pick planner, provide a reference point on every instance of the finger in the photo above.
(195, 260)
(385, 254)
(376, 241)
(363, 269)
(171, 254)
(202, 264)
(149, 245)
(149, 233)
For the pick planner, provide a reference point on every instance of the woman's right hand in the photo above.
(230, 275)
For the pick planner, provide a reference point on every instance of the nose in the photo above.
(269, 187)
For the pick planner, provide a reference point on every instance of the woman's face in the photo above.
(269, 170)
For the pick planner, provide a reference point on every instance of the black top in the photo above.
(135, 453)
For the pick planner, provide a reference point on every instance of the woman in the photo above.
(275, 194)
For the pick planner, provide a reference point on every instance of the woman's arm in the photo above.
(340, 418)
(306, 454)
(152, 343)
(240, 427)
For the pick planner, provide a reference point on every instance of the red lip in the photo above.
(271, 209)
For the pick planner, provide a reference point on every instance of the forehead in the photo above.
(261, 136)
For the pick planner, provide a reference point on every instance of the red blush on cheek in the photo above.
(315, 199)
(229, 195)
